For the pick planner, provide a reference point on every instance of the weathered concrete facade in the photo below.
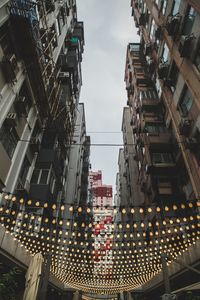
(162, 81)
(41, 47)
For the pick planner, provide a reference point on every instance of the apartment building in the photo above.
(169, 45)
(41, 47)
(103, 218)
(162, 82)
(78, 171)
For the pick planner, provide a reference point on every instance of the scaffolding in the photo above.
(34, 42)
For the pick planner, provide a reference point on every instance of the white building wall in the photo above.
(72, 187)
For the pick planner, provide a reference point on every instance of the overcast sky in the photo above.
(109, 27)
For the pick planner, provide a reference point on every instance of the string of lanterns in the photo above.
(69, 233)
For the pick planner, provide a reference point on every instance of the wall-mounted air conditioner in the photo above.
(185, 45)
(11, 119)
(185, 126)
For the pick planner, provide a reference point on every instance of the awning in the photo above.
(192, 287)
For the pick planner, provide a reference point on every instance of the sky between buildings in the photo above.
(109, 27)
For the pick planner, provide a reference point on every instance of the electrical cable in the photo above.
(104, 144)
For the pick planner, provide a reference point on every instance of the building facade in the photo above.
(43, 142)
(162, 83)
(78, 172)
(103, 217)
(162, 75)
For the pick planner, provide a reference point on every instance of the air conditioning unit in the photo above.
(185, 126)
(20, 105)
(10, 68)
(11, 119)
(185, 45)
(173, 23)
(63, 76)
(163, 70)
(191, 144)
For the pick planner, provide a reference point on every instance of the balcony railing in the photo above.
(158, 140)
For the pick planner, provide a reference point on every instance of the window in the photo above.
(23, 101)
(138, 70)
(134, 47)
(174, 73)
(176, 6)
(158, 87)
(165, 53)
(5, 39)
(162, 158)
(164, 6)
(186, 102)
(189, 21)
(52, 181)
(44, 176)
(149, 94)
(155, 128)
(152, 30)
(24, 171)
(197, 59)
(9, 139)
(40, 176)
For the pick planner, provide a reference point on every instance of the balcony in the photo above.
(151, 117)
(158, 141)
(143, 80)
(159, 163)
(161, 168)
(47, 157)
(41, 192)
(173, 24)
(146, 103)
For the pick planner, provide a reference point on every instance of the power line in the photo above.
(102, 144)
(105, 132)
